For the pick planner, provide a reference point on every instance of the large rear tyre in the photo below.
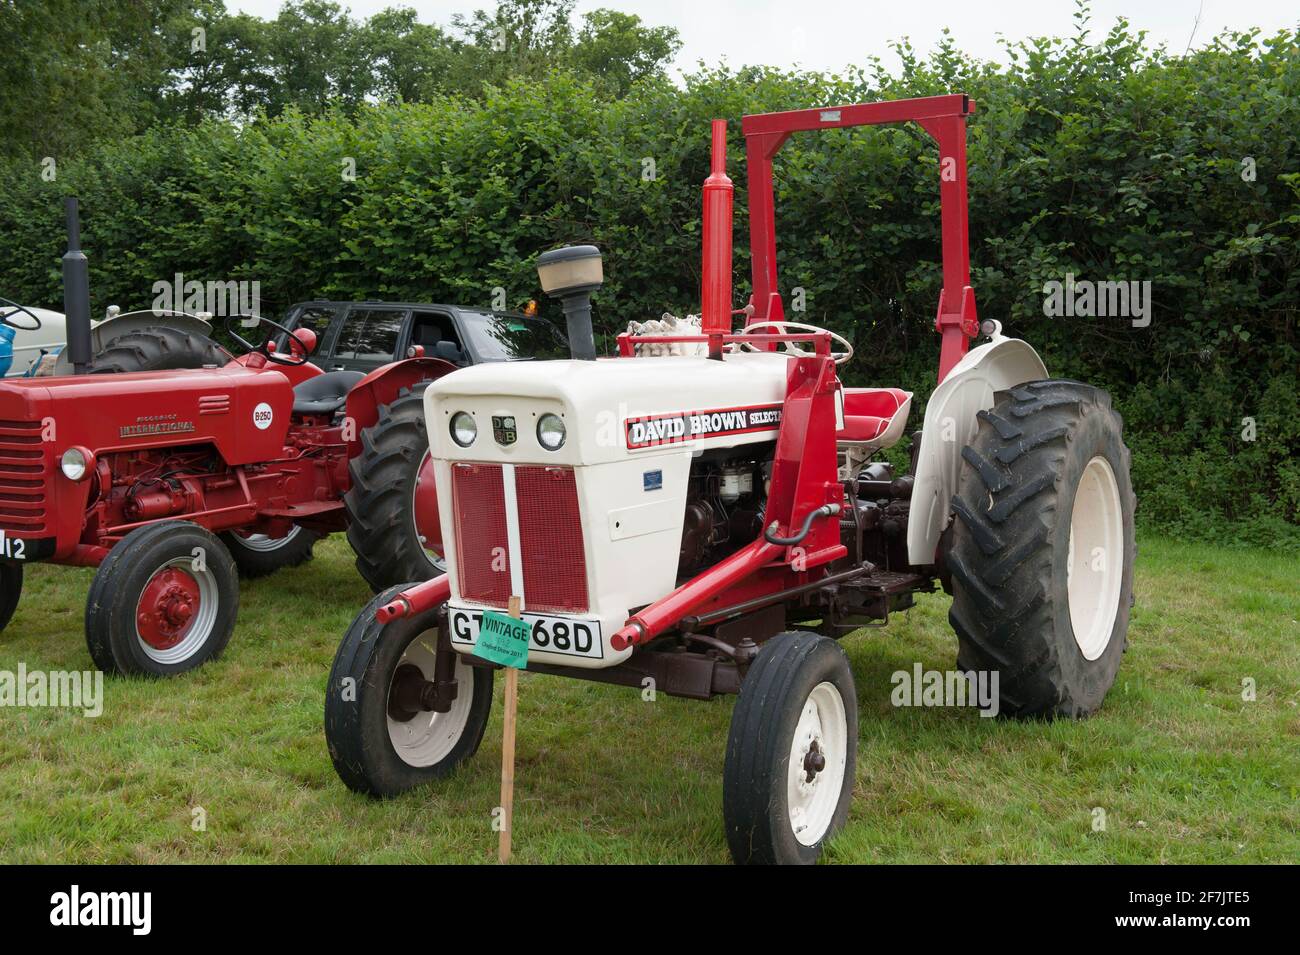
(163, 602)
(11, 590)
(392, 505)
(791, 752)
(1041, 548)
(379, 747)
(257, 555)
(158, 348)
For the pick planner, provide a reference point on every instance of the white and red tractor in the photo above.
(704, 511)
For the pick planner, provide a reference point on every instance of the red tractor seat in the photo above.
(874, 416)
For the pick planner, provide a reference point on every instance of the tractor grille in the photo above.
(550, 537)
(22, 477)
(482, 548)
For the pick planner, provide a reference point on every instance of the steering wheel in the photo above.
(4, 319)
(280, 358)
(791, 347)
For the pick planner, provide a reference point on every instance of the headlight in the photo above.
(463, 429)
(73, 464)
(550, 431)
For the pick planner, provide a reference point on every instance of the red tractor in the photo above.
(710, 519)
(172, 482)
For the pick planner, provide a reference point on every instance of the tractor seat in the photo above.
(874, 417)
(324, 394)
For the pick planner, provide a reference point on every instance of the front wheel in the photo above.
(163, 602)
(11, 590)
(791, 752)
(381, 738)
(1041, 549)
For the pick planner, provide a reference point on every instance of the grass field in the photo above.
(1184, 768)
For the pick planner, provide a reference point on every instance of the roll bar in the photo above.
(944, 118)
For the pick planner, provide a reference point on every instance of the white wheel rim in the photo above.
(264, 544)
(203, 622)
(822, 728)
(1096, 562)
(427, 738)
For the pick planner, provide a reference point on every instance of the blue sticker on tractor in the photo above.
(653, 480)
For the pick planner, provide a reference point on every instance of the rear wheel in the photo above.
(158, 348)
(1041, 548)
(791, 752)
(392, 504)
(381, 740)
(257, 555)
(11, 590)
(163, 602)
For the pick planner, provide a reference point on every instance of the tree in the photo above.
(617, 48)
(72, 71)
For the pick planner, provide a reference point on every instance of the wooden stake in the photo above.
(508, 751)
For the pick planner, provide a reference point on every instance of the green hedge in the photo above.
(1104, 160)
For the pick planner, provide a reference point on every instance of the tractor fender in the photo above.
(381, 387)
(950, 425)
(101, 333)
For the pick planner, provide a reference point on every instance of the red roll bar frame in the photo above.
(944, 118)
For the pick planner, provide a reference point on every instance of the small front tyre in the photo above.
(380, 746)
(791, 752)
(163, 602)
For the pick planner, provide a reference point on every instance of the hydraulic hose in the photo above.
(826, 510)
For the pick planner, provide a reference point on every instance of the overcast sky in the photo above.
(831, 34)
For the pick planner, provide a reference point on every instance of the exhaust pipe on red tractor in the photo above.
(715, 269)
(76, 293)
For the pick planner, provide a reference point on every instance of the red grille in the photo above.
(22, 477)
(550, 536)
(482, 548)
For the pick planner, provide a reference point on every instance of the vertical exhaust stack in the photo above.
(76, 293)
(715, 269)
(571, 274)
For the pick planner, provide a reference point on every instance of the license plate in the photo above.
(564, 635)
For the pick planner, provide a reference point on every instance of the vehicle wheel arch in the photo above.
(998, 365)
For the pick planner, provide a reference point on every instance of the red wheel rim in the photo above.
(168, 607)
(425, 508)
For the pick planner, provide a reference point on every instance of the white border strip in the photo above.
(512, 531)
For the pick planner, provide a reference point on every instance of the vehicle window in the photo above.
(430, 328)
(318, 318)
(369, 334)
(498, 336)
